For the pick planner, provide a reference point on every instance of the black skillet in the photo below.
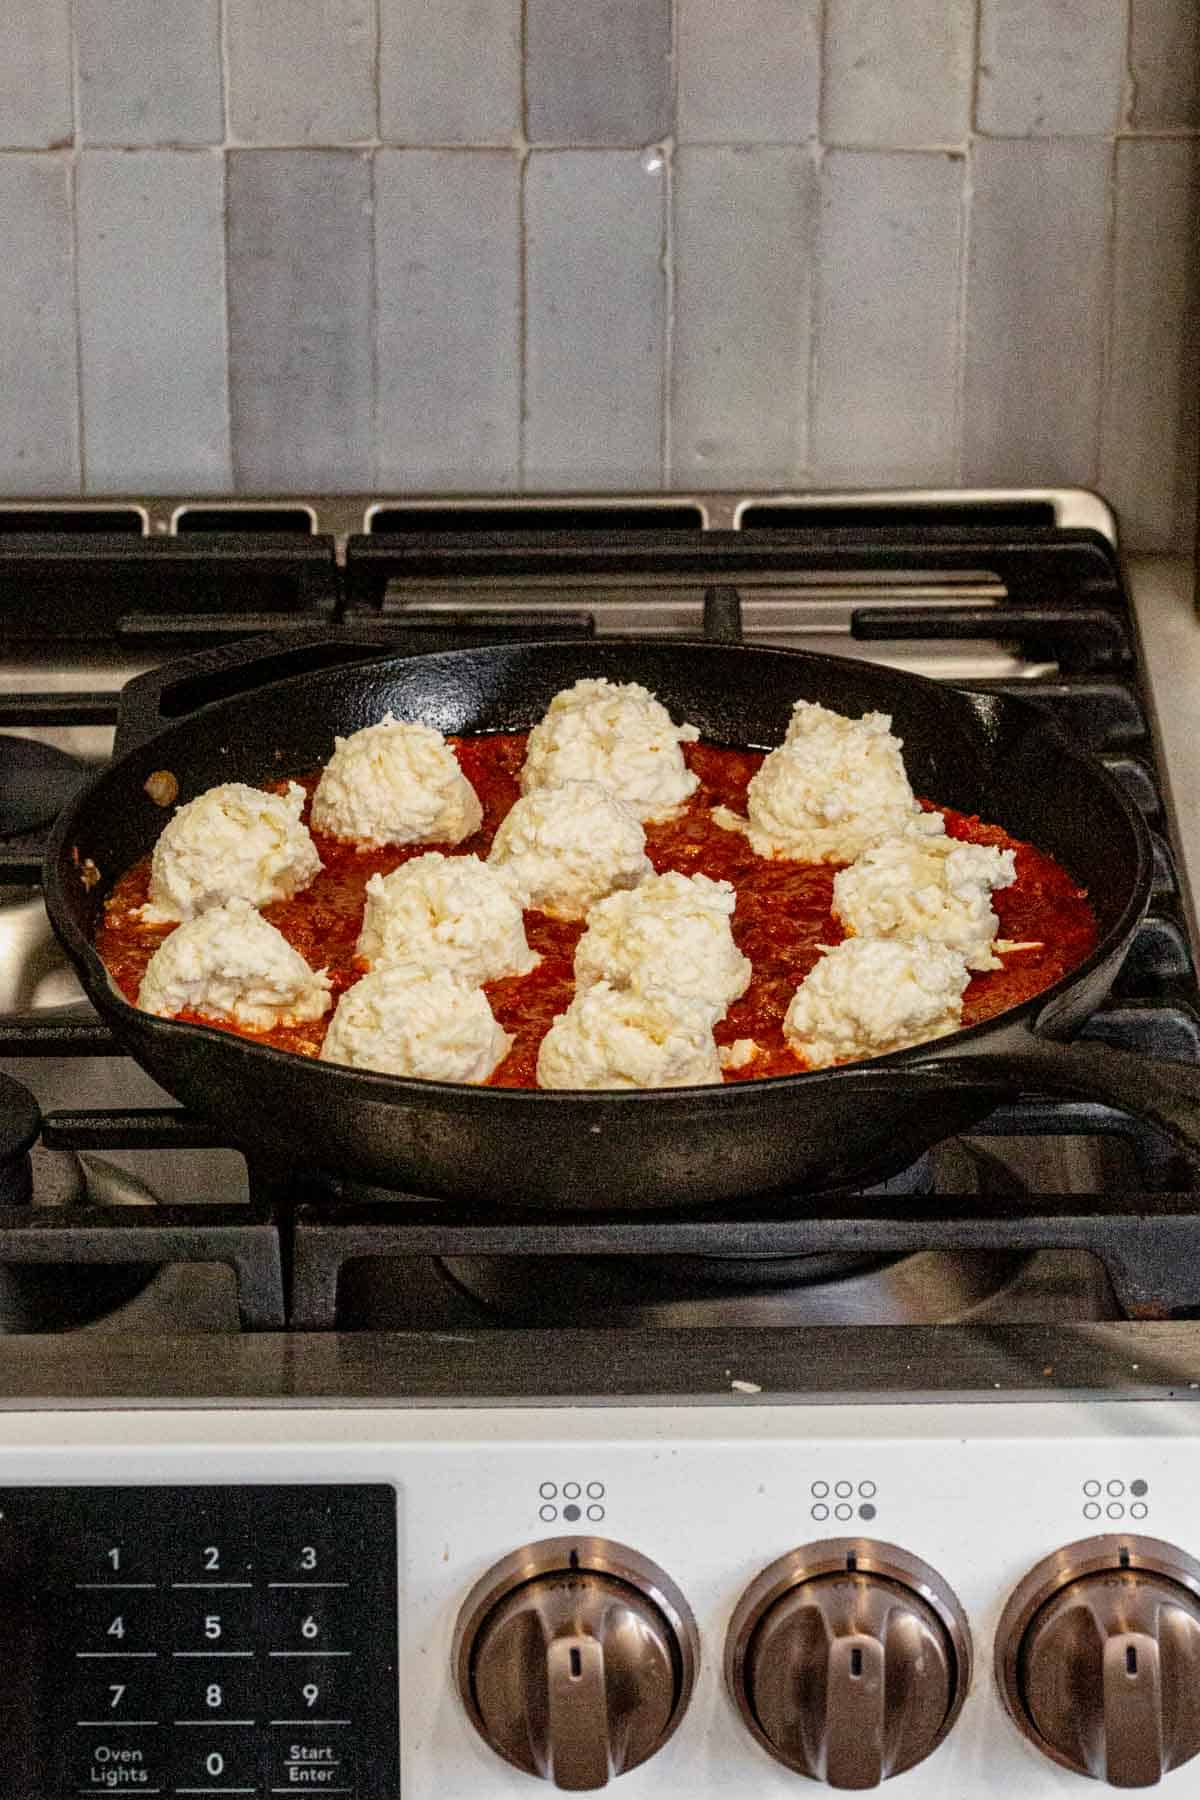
(827, 1129)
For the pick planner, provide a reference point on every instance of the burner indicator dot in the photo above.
(842, 1489)
(843, 1512)
(1091, 1510)
(1139, 1488)
(571, 1514)
(1115, 1510)
(595, 1514)
(1091, 1489)
(548, 1491)
(1116, 1489)
(820, 1513)
(1139, 1510)
(866, 1512)
(571, 1490)
(867, 1490)
(820, 1490)
(595, 1490)
(547, 1514)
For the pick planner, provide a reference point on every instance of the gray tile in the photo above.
(450, 74)
(1050, 67)
(594, 318)
(301, 71)
(885, 400)
(152, 321)
(744, 227)
(898, 75)
(35, 72)
(39, 417)
(1148, 448)
(598, 73)
(748, 73)
(447, 236)
(1035, 311)
(299, 318)
(1165, 64)
(149, 71)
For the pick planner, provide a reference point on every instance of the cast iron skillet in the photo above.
(641, 1150)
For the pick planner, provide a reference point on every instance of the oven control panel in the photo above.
(199, 1641)
(742, 1601)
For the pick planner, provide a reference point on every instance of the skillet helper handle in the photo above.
(154, 700)
(1164, 1094)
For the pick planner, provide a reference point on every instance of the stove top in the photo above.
(132, 1227)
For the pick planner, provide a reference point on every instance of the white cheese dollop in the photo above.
(418, 1021)
(616, 734)
(564, 848)
(452, 911)
(832, 789)
(231, 964)
(870, 995)
(672, 930)
(629, 1038)
(231, 841)
(935, 888)
(395, 783)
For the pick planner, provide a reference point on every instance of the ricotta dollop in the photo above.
(833, 788)
(934, 888)
(452, 911)
(564, 848)
(871, 995)
(674, 931)
(395, 783)
(618, 735)
(229, 963)
(416, 1020)
(645, 1037)
(233, 841)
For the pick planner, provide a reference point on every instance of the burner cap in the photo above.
(20, 1122)
(36, 782)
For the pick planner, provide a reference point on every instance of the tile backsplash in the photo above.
(288, 245)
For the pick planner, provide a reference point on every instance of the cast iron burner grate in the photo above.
(291, 1247)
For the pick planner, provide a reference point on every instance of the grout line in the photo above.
(1129, 86)
(360, 146)
(224, 181)
(71, 161)
(966, 219)
(521, 145)
(377, 69)
(973, 125)
(666, 447)
(373, 314)
(1109, 321)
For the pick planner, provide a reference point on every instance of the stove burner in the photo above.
(20, 1123)
(36, 782)
(931, 1287)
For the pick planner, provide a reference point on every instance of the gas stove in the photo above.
(526, 1438)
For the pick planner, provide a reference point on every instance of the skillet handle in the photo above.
(1165, 1094)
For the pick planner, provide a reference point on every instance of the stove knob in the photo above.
(576, 1659)
(849, 1661)
(1098, 1658)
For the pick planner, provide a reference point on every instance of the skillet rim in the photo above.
(411, 1090)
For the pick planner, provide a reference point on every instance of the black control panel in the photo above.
(199, 1641)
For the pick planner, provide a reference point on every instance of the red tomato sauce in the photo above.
(782, 919)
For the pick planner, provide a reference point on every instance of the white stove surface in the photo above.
(712, 1495)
